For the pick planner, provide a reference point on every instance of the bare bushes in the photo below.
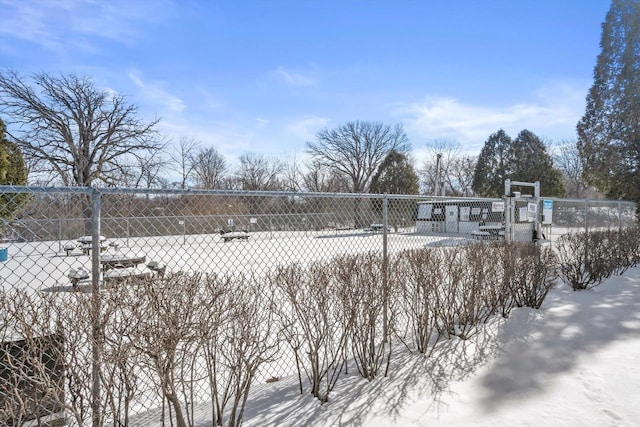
(31, 364)
(315, 324)
(418, 274)
(364, 293)
(529, 273)
(199, 337)
(331, 307)
(448, 292)
(187, 338)
(242, 340)
(587, 258)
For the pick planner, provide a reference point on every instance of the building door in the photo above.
(451, 219)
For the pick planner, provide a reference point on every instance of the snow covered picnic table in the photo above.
(232, 235)
(121, 260)
(85, 243)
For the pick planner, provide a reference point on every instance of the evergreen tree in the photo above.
(395, 175)
(491, 167)
(609, 131)
(12, 172)
(529, 161)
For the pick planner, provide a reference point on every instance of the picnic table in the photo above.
(112, 261)
(124, 273)
(375, 227)
(86, 244)
(489, 232)
(232, 235)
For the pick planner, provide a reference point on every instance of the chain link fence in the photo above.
(135, 307)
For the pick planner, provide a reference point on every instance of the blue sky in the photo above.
(265, 76)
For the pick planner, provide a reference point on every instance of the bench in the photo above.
(233, 235)
(480, 235)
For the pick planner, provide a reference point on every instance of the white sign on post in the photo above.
(547, 212)
(532, 210)
(497, 206)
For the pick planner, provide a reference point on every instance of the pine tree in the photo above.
(609, 131)
(12, 172)
(491, 167)
(395, 175)
(529, 161)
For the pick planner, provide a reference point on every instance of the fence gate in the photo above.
(521, 217)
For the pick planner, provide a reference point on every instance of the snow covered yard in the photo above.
(573, 362)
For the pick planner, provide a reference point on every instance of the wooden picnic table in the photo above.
(86, 244)
(495, 231)
(232, 235)
(112, 261)
(124, 273)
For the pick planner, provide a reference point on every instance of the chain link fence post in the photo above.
(385, 266)
(96, 303)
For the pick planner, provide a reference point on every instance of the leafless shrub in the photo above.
(585, 259)
(319, 317)
(483, 283)
(164, 316)
(361, 287)
(31, 364)
(247, 340)
(625, 247)
(418, 274)
(531, 273)
(120, 374)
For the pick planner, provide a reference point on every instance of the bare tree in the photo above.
(293, 178)
(447, 171)
(571, 164)
(182, 158)
(146, 171)
(80, 132)
(321, 179)
(356, 149)
(209, 168)
(258, 173)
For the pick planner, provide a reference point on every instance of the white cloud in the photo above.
(260, 122)
(305, 129)
(63, 25)
(296, 78)
(553, 113)
(155, 92)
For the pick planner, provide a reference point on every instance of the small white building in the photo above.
(458, 216)
(463, 217)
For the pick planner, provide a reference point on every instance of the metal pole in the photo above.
(619, 216)
(385, 267)
(586, 216)
(437, 181)
(96, 309)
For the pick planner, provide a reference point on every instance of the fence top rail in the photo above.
(238, 193)
(202, 192)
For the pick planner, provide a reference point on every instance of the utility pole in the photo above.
(437, 180)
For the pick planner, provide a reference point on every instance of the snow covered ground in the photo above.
(574, 362)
